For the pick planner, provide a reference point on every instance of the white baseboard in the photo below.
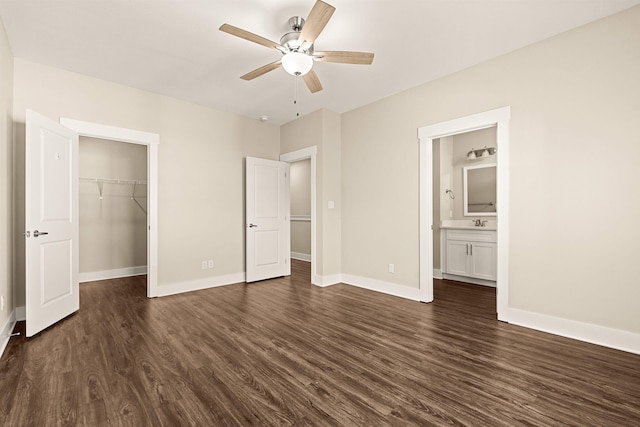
(594, 334)
(324, 281)
(437, 273)
(6, 330)
(381, 286)
(200, 284)
(300, 256)
(112, 274)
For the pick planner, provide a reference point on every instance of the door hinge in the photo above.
(27, 233)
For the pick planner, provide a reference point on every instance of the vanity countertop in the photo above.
(468, 227)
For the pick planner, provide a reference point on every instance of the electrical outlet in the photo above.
(204, 265)
(210, 263)
(392, 268)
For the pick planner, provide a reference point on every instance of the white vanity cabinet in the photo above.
(470, 253)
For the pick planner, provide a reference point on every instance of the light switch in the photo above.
(331, 204)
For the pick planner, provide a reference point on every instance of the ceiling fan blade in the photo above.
(262, 70)
(312, 81)
(244, 34)
(344, 57)
(315, 23)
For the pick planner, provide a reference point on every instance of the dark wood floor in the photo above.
(284, 352)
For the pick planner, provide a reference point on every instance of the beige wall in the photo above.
(300, 174)
(201, 163)
(321, 129)
(574, 149)
(6, 177)
(113, 230)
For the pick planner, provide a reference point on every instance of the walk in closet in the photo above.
(113, 209)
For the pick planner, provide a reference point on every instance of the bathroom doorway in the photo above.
(497, 119)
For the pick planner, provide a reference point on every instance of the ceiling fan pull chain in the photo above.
(295, 94)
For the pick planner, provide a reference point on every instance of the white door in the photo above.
(51, 218)
(267, 216)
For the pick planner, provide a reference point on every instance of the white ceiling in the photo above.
(173, 47)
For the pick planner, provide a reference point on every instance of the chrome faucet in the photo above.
(480, 223)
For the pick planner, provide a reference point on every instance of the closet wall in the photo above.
(300, 173)
(113, 238)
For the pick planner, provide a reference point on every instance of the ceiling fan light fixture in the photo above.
(297, 63)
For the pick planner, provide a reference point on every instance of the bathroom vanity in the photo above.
(469, 254)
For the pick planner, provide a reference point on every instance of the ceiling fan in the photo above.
(296, 47)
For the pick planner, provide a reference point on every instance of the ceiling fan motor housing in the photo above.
(290, 39)
(296, 23)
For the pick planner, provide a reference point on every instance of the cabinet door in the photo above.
(457, 254)
(483, 260)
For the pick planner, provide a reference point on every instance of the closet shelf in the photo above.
(133, 182)
(113, 181)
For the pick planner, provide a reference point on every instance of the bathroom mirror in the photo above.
(479, 190)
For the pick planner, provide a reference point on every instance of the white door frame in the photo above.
(151, 140)
(426, 134)
(296, 156)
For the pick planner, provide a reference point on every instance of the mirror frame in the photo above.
(465, 200)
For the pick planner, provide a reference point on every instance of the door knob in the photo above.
(252, 225)
(37, 233)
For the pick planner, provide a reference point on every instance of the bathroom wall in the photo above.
(462, 144)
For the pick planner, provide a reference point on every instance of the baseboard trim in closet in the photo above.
(112, 274)
(301, 256)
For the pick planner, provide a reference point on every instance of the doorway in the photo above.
(300, 181)
(308, 153)
(151, 141)
(112, 209)
(427, 134)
